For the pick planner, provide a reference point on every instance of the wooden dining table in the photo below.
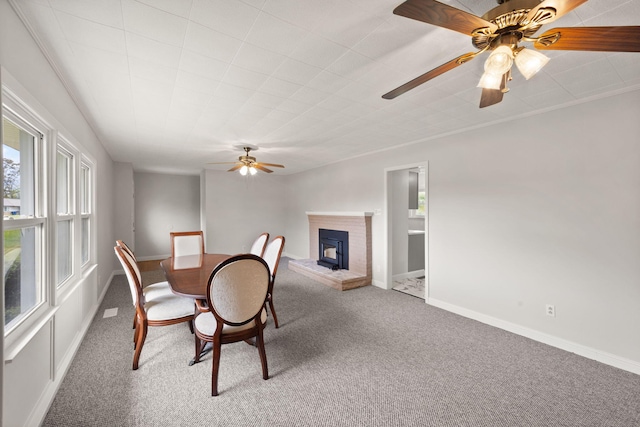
(188, 275)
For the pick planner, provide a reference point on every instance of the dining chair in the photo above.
(187, 243)
(272, 257)
(260, 244)
(236, 293)
(152, 308)
(148, 290)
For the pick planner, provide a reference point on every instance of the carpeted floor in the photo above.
(364, 357)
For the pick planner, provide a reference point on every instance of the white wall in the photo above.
(36, 370)
(124, 199)
(164, 203)
(238, 209)
(541, 210)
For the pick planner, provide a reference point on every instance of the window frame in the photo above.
(86, 199)
(17, 113)
(69, 214)
(16, 100)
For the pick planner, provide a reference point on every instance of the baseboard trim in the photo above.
(570, 346)
(379, 284)
(292, 256)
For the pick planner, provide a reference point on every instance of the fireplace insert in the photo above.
(333, 248)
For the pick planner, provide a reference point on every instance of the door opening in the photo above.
(406, 216)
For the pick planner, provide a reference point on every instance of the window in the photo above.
(421, 211)
(64, 217)
(85, 211)
(48, 216)
(24, 221)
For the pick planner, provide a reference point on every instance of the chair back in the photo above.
(260, 244)
(237, 289)
(133, 274)
(272, 254)
(126, 248)
(187, 243)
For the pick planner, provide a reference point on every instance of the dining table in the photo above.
(188, 275)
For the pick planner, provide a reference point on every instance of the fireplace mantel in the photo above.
(358, 225)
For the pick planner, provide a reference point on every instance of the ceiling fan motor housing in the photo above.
(512, 18)
(247, 159)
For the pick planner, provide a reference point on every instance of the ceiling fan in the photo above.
(501, 29)
(248, 164)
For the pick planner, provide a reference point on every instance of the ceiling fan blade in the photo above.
(490, 97)
(262, 168)
(442, 15)
(603, 39)
(493, 96)
(428, 76)
(270, 164)
(561, 7)
(236, 167)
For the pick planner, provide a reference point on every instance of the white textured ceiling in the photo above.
(170, 85)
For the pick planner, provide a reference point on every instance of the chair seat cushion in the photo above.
(205, 323)
(165, 306)
(153, 290)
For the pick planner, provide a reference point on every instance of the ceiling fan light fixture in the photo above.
(243, 170)
(500, 61)
(530, 61)
(490, 81)
(253, 170)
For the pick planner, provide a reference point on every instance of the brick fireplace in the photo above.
(358, 225)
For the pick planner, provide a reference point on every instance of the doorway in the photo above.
(406, 225)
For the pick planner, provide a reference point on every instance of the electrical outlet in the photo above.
(551, 310)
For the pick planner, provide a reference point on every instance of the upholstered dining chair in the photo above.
(152, 308)
(126, 248)
(272, 255)
(187, 243)
(260, 244)
(150, 290)
(236, 294)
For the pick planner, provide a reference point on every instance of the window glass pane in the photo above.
(85, 240)
(21, 266)
(65, 250)
(63, 175)
(19, 171)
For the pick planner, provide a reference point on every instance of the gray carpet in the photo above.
(364, 357)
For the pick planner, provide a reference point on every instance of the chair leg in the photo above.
(142, 335)
(263, 354)
(191, 325)
(217, 346)
(136, 333)
(199, 345)
(273, 311)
